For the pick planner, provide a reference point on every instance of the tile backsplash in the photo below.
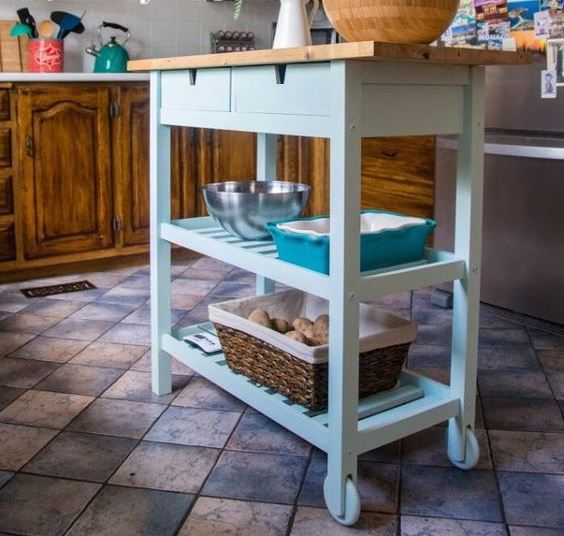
(158, 27)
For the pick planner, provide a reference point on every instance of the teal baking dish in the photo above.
(378, 249)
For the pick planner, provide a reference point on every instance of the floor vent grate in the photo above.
(51, 290)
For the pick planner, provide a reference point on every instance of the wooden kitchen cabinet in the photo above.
(65, 167)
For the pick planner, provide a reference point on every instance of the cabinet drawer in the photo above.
(206, 89)
(7, 242)
(6, 196)
(4, 104)
(305, 90)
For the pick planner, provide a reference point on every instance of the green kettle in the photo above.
(111, 57)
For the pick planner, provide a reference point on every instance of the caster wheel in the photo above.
(472, 453)
(352, 504)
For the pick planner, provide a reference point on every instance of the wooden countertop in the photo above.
(364, 50)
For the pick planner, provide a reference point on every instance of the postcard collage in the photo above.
(535, 25)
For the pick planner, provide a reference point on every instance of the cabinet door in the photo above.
(65, 160)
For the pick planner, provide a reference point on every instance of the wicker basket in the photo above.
(300, 372)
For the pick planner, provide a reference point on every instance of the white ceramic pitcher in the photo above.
(293, 26)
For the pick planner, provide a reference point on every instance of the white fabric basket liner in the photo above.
(377, 328)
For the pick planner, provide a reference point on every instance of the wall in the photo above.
(159, 28)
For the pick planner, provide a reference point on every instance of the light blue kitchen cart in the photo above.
(342, 92)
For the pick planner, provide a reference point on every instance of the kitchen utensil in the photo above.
(244, 208)
(46, 29)
(68, 23)
(26, 18)
(112, 57)
(21, 29)
(293, 26)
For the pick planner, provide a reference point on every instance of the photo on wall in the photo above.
(555, 59)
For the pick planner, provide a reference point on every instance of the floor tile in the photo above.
(530, 452)
(430, 526)
(515, 530)
(128, 296)
(28, 323)
(533, 499)
(109, 354)
(51, 504)
(429, 447)
(81, 456)
(515, 357)
(200, 393)
(79, 329)
(167, 467)
(129, 334)
(429, 356)
(4, 477)
(24, 373)
(256, 477)
(142, 315)
(18, 444)
(208, 263)
(543, 340)
(318, 522)
(84, 296)
(257, 433)
(11, 302)
(211, 517)
(185, 302)
(522, 414)
(514, 383)
(136, 385)
(110, 312)
(195, 287)
(203, 273)
(441, 375)
(504, 337)
(442, 492)
(552, 360)
(121, 418)
(197, 427)
(232, 289)
(11, 341)
(105, 280)
(8, 395)
(178, 368)
(51, 307)
(556, 381)
(50, 349)
(429, 335)
(137, 281)
(495, 321)
(42, 408)
(80, 380)
(389, 453)
(132, 512)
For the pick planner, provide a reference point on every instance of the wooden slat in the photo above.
(13, 51)
(364, 50)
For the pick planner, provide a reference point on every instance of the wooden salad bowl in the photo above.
(391, 21)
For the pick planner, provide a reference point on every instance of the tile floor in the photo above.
(87, 449)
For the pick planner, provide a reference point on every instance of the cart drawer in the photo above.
(201, 89)
(299, 90)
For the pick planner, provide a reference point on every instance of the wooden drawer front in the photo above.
(305, 91)
(7, 242)
(5, 147)
(398, 174)
(6, 195)
(207, 89)
(4, 104)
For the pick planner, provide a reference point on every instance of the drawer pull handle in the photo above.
(280, 72)
(192, 74)
(390, 154)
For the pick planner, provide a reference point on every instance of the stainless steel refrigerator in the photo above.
(523, 248)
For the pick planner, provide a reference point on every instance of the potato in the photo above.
(302, 323)
(280, 325)
(320, 332)
(297, 336)
(260, 316)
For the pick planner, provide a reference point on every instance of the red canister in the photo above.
(46, 55)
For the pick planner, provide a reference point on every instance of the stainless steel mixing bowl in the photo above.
(244, 208)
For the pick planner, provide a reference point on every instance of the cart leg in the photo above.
(266, 171)
(462, 447)
(340, 491)
(160, 249)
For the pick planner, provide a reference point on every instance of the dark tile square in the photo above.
(492, 358)
(50, 349)
(4, 477)
(23, 373)
(429, 356)
(544, 340)
(80, 380)
(51, 504)
(515, 530)
(79, 329)
(20, 443)
(377, 485)
(133, 512)
(522, 414)
(552, 360)
(200, 393)
(556, 381)
(110, 312)
(11, 341)
(260, 477)
(196, 427)
(142, 315)
(52, 307)
(129, 334)
(389, 453)
(504, 337)
(533, 499)
(257, 433)
(430, 526)
(109, 354)
(28, 323)
(8, 395)
(121, 418)
(514, 383)
(81, 456)
(433, 335)
(449, 492)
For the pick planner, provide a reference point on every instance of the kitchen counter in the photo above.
(73, 77)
